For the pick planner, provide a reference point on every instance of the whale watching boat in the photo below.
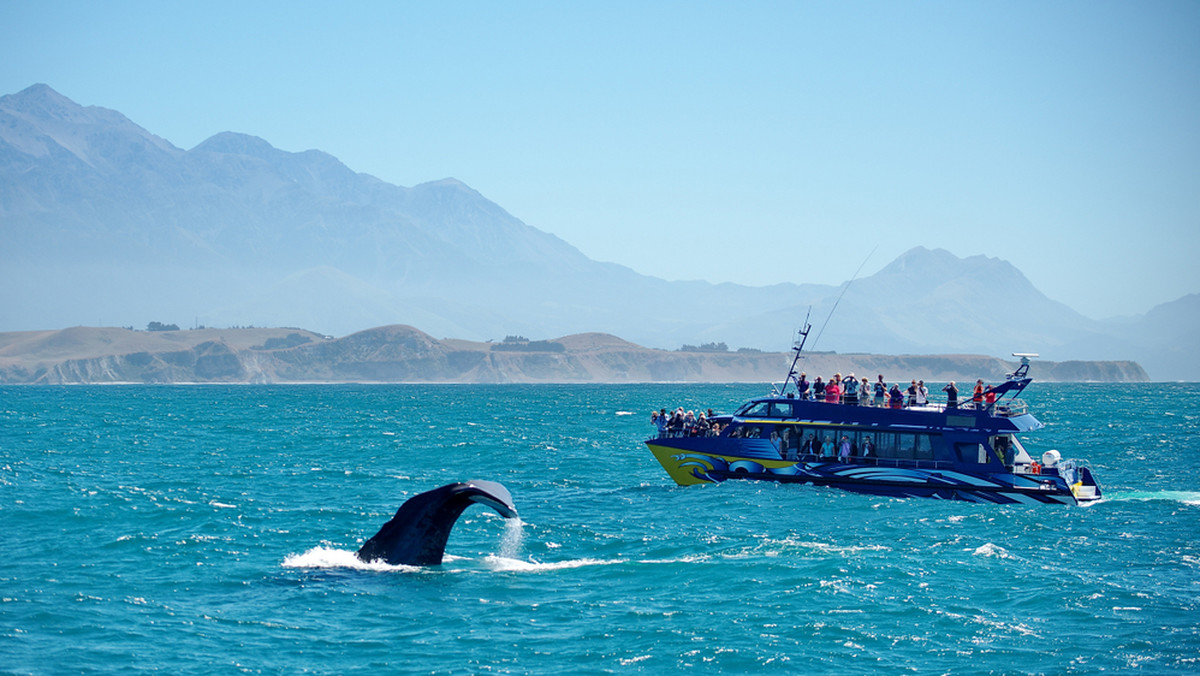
(956, 452)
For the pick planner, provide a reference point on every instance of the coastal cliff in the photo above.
(404, 354)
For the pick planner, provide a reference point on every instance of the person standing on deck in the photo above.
(922, 393)
(833, 393)
(850, 396)
(802, 386)
(819, 389)
(880, 391)
(977, 396)
(951, 395)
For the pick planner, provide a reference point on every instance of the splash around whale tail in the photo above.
(417, 534)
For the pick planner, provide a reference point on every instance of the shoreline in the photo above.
(404, 355)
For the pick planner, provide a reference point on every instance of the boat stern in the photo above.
(1085, 488)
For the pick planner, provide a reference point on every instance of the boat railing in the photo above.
(1004, 408)
(1012, 407)
(679, 434)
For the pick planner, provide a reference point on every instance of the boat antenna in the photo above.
(843, 293)
(1022, 370)
(1019, 379)
(797, 347)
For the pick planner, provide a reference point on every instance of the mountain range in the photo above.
(104, 223)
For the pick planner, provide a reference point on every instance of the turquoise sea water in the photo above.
(210, 529)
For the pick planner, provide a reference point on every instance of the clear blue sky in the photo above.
(752, 142)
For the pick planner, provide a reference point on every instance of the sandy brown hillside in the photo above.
(405, 354)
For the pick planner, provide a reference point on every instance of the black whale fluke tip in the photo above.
(493, 495)
(417, 534)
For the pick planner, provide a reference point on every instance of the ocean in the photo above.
(211, 529)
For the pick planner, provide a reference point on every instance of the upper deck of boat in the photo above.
(1007, 415)
(790, 407)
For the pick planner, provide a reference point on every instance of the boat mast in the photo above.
(797, 347)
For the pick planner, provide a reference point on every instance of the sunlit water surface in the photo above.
(212, 529)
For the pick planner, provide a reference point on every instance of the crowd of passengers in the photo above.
(684, 424)
(852, 392)
(837, 390)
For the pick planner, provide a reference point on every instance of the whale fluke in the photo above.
(417, 534)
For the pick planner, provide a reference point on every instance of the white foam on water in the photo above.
(327, 557)
(499, 563)
(792, 545)
(1186, 497)
(989, 549)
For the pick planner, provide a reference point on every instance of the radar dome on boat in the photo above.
(1050, 458)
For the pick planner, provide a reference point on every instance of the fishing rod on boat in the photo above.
(798, 348)
(843, 293)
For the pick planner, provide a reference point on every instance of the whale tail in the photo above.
(417, 534)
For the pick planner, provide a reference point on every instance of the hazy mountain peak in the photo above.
(1181, 313)
(38, 118)
(315, 169)
(939, 266)
(234, 143)
(921, 259)
(40, 100)
(448, 189)
(449, 182)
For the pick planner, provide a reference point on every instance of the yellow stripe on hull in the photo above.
(672, 460)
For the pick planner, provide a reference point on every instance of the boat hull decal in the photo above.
(689, 467)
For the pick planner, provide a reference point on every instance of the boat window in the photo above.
(904, 446)
(865, 446)
(922, 447)
(766, 409)
(790, 436)
(826, 441)
(781, 409)
(1004, 449)
(885, 444)
(1020, 456)
(812, 440)
(756, 410)
(748, 432)
(896, 445)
